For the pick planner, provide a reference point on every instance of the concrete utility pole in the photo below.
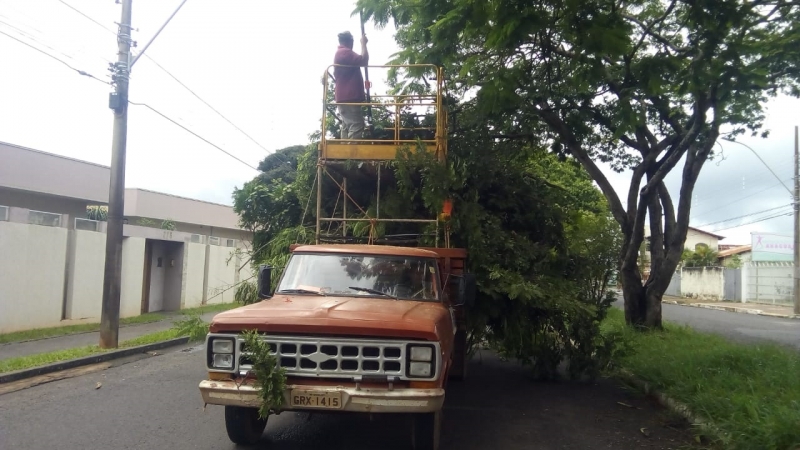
(118, 102)
(796, 223)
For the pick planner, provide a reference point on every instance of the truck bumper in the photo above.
(352, 400)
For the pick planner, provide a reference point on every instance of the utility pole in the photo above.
(796, 223)
(118, 102)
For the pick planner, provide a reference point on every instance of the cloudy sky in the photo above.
(259, 63)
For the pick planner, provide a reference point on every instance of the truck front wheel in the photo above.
(426, 430)
(243, 425)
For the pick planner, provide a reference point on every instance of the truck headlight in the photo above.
(221, 352)
(222, 346)
(421, 360)
(420, 369)
(421, 353)
(223, 360)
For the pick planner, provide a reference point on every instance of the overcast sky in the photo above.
(259, 63)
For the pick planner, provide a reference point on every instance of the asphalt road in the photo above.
(154, 403)
(746, 328)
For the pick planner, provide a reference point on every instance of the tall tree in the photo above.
(641, 84)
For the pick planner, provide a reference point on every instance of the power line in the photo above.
(784, 214)
(762, 162)
(743, 198)
(84, 15)
(81, 72)
(745, 215)
(176, 79)
(193, 133)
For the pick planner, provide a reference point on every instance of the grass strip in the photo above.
(42, 333)
(193, 327)
(751, 393)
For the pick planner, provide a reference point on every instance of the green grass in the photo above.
(192, 327)
(41, 333)
(751, 393)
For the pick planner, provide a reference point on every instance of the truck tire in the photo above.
(426, 430)
(458, 370)
(243, 425)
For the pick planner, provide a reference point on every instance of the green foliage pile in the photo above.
(702, 256)
(270, 378)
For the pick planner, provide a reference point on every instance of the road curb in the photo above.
(671, 404)
(755, 312)
(91, 359)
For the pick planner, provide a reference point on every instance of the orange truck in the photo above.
(358, 328)
(369, 327)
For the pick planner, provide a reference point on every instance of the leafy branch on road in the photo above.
(270, 377)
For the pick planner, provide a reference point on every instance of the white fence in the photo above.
(756, 282)
(51, 275)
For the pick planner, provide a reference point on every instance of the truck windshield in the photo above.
(397, 277)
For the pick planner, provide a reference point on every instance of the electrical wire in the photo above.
(755, 221)
(193, 133)
(742, 198)
(81, 72)
(177, 80)
(745, 215)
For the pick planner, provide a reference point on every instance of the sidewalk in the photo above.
(16, 349)
(746, 308)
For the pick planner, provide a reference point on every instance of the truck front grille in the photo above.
(333, 358)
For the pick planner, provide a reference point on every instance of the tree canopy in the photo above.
(640, 84)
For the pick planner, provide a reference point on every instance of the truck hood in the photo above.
(341, 316)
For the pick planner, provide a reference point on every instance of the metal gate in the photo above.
(733, 285)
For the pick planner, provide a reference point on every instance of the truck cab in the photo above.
(358, 328)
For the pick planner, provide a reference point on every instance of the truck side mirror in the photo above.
(467, 289)
(264, 281)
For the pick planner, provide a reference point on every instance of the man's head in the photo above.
(346, 39)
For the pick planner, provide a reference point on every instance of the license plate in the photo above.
(322, 400)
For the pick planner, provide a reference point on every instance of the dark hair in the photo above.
(345, 37)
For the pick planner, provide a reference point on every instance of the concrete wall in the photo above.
(50, 274)
(193, 272)
(704, 283)
(32, 272)
(221, 274)
(87, 264)
(157, 205)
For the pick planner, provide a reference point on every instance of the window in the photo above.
(44, 218)
(213, 240)
(4, 213)
(86, 224)
(230, 243)
(195, 238)
(403, 277)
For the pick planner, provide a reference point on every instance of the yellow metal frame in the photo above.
(386, 149)
(379, 150)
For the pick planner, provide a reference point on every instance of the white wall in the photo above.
(193, 265)
(157, 275)
(130, 303)
(221, 275)
(32, 271)
(704, 283)
(87, 266)
(769, 283)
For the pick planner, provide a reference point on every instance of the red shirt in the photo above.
(349, 86)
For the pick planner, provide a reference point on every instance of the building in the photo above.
(177, 252)
(694, 238)
(742, 252)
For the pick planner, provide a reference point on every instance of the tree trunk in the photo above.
(642, 304)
